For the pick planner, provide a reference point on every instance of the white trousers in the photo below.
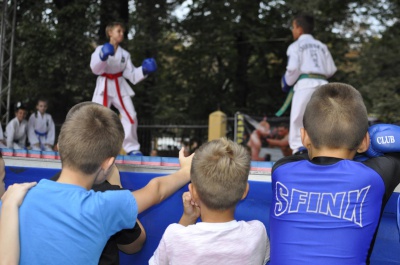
(303, 90)
(130, 142)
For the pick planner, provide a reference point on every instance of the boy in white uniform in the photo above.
(41, 128)
(113, 64)
(17, 129)
(2, 140)
(219, 176)
(309, 66)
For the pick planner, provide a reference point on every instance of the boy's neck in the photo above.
(214, 216)
(343, 153)
(74, 177)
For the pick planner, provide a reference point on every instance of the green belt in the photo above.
(314, 76)
(289, 96)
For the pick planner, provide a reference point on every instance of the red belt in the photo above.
(105, 96)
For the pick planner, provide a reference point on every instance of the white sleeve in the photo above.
(132, 73)
(293, 67)
(1, 133)
(330, 64)
(96, 64)
(160, 256)
(31, 130)
(10, 130)
(22, 140)
(51, 132)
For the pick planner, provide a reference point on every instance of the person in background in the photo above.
(154, 152)
(41, 128)
(17, 129)
(309, 66)
(113, 66)
(282, 140)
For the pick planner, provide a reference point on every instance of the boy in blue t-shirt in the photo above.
(65, 222)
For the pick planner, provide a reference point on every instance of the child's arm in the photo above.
(51, 133)
(9, 223)
(32, 137)
(158, 189)
(278, 142)
(137, 244)
(10, 134)
(191, 211)
(97, 65)
(132, 73)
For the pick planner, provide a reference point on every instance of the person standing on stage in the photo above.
(113, 66)
(309, 66)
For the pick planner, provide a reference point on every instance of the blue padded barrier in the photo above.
(256, 206)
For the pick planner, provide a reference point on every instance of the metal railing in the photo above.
(167, 137)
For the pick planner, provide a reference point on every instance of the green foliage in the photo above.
(227, 55)
(380, 78)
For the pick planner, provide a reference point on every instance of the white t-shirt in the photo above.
(233, 243)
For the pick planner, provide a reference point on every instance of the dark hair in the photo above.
(19, 106)
(306, 22)
(284, 125)
(336, 117)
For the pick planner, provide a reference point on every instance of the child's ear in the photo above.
(305, 139)
(364, 144)
(107, 163)
(246, 191)
(192, 191)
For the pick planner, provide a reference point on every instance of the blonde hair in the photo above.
(219, 172)
(91, 134)
(336, 117)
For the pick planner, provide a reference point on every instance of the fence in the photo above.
(167, 137)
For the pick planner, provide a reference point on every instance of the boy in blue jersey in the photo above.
(326, 206)
(65, 222)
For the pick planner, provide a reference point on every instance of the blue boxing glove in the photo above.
(106, 51)
(149, 66)
(285, 87)
(385, 138)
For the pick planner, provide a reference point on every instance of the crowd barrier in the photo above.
(155, 220)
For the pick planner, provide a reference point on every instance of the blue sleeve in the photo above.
(118, 210)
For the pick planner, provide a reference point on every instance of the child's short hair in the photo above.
(45, 100)
(336, 117)
(306, 22)
(219, 172)
(90, 134)
(111, 25)
(20, 106)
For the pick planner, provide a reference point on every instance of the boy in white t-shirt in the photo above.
(219, 180)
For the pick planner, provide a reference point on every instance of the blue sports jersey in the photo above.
(67, 224)
(326, 211)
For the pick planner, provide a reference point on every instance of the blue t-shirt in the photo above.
(326, 211)
(67, 224)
